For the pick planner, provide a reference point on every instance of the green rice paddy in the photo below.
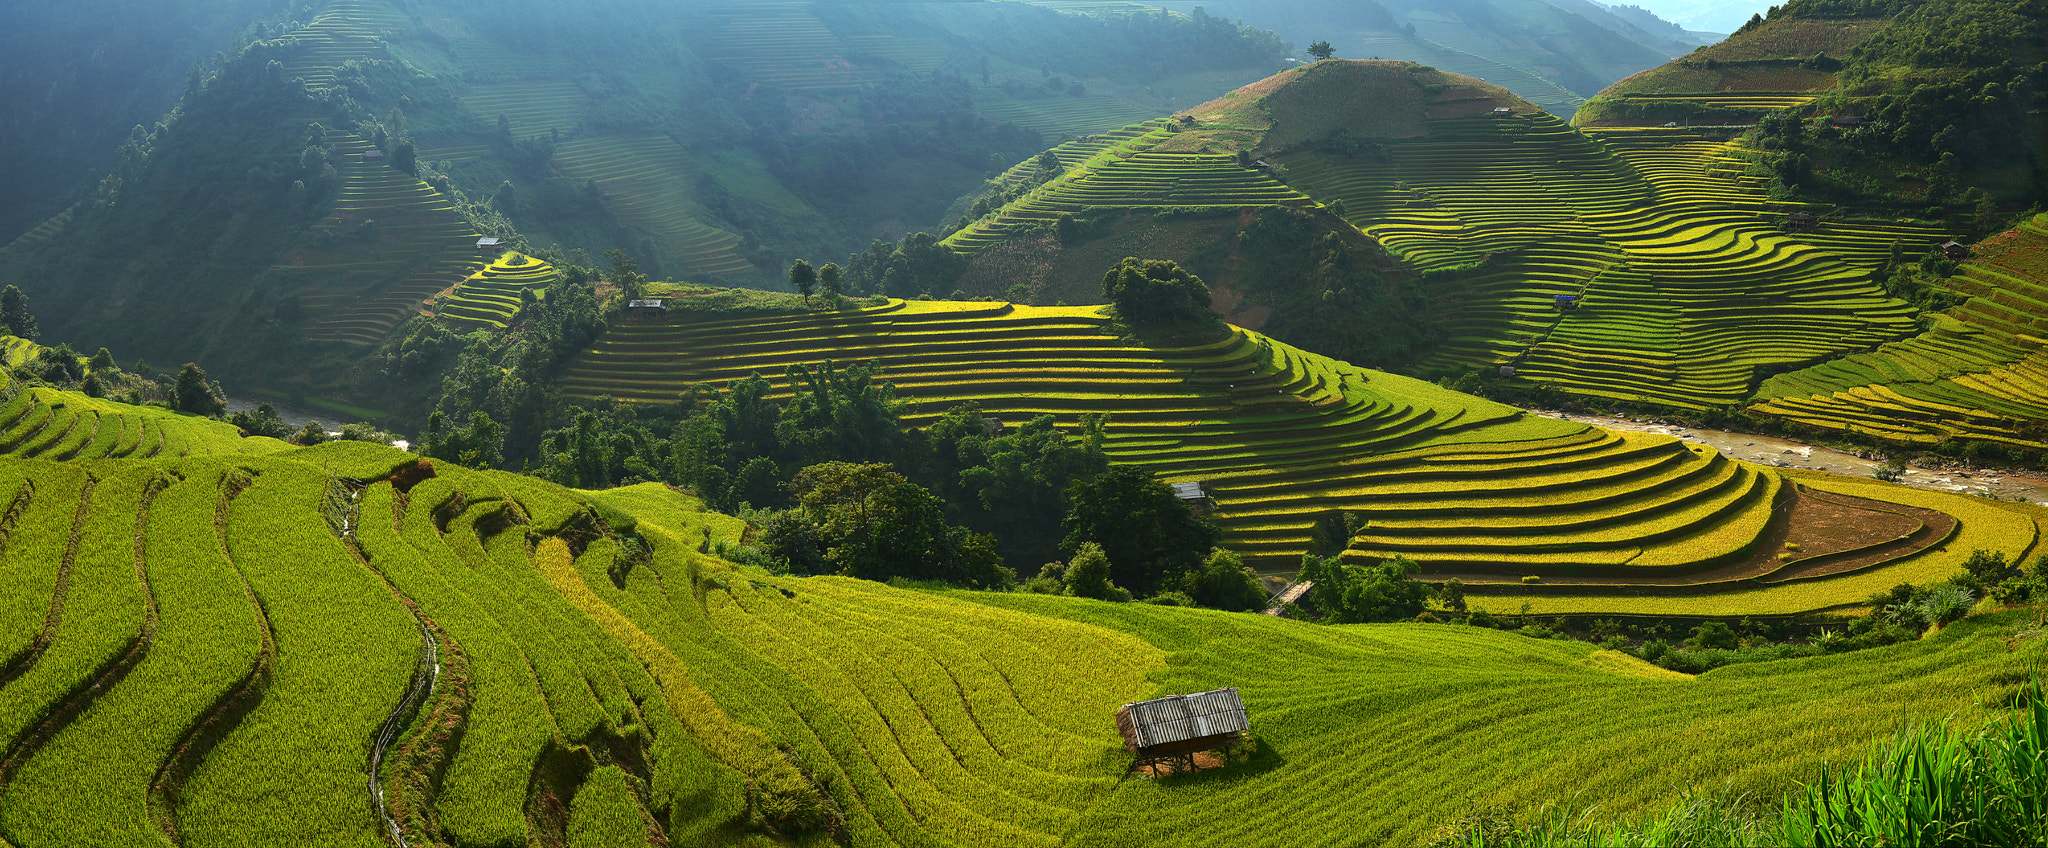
(648, 181)
(213, 651)
(492, 297)
(1284, 437)
(360, 289)
(1976, 374)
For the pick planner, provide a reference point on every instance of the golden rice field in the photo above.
(1283, 437)
(328, 646)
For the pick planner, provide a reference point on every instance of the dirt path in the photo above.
(1783, 453)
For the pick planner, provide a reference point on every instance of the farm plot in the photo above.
(1123, 170)
(203, 650)
(390, 243)
(1367, 713)
(234, 633)
(1681, 287)
(492, 296)
(1977, 374)
(648, 181)
(346, 30)
(1281, 438)
(52, 424)
(530, 108)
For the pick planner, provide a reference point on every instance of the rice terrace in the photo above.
(1022, 423)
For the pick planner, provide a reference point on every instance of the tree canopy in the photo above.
(1153, 540)
(1155, 291)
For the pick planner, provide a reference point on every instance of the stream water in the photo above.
(1782, 453)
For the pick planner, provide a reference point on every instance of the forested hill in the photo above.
(326, 178)
(79, 76)
(1887, 105)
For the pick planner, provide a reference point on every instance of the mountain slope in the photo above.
(521, 664)
(1285, 441)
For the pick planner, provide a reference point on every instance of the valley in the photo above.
(805, 423)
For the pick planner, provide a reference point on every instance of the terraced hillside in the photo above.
(1685, 285)
(58, 425)
(492, 296)
(1283, 438)
(1977, 374)
(342, 645)
(1737, 80)
(1125, 169)
(649, 182)
(1686, 288)
(391, 242)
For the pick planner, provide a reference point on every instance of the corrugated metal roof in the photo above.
(1177, 718)
(1188, 491)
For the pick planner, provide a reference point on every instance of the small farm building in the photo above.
(488, 245)
(1798, 221)
(1846, 121)
(992, 426)
(1507, 371)
(1195, 494)
(1502, 111)
(655, 307)
(373, 153)
(1955, 250)
(1172, 729)
(1566, 302)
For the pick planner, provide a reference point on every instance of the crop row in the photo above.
(46, 423)
(1974, 374)
(649, 181)
(1281, 437)
(1681, 285)
(1121, 170)
(492, 296)
(402, 243)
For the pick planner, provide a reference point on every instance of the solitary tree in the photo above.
(803, 278)
(195, 394)
(831, 279)
(14, 313)
(1321, 50)
(102, 361)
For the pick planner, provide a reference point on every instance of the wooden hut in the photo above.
(1171, 730)
(1955, 250)
(640, 311)
(1195, 494)
(1798, 222)
(489, 247)
(1503, 112)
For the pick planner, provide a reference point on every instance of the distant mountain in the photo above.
(1555, 54)
(334, 172)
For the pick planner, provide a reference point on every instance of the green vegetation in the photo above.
(608, 680)
(1288, 440)
(493, 296)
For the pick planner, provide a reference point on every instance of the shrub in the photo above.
(1948, 603)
